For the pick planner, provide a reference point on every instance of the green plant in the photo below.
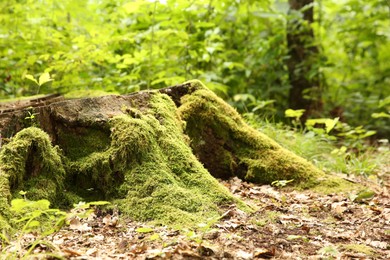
(329, 251)
(281, 183)
(43, 79)
(322, 145)
(198, 234)
(31, 117)
(328, 123)
(296, 116)
(37, 218)
(265, 218)
(230, 45)
(359, 248)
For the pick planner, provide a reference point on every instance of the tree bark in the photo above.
(305, 92)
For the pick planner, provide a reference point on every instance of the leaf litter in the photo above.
(287, 224)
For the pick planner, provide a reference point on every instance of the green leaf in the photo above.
(367, 134)
(144, 230)
(294, 113)
(384, 102)
(133, 7)
(379, 115)
(281, 183)
(44, 78)
(329, 123)
(155, 236)
(18, 205)
(33, 224)
(31, 77)
(364, 195)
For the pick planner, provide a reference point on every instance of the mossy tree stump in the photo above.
(153, 153)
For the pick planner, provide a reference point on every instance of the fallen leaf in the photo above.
(264, 253)
(243, 255)
(379, 244)
(70, 252)
(205, 251)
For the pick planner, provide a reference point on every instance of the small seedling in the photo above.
(281, 183)
(43, 79)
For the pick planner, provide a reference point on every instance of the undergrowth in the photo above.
(326, 151)
(31, 224)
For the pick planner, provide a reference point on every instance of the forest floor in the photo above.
(287, 225)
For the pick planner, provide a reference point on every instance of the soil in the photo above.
(287, 225)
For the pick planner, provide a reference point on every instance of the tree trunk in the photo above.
(151, 153)
(305, 92)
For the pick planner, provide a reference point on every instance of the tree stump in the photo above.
(154, 154)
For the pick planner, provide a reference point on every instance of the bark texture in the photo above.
(305, 92)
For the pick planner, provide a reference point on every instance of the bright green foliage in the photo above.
(322, 149)
(355, 36)
(32, 216)
(36, 216)
(238, 48)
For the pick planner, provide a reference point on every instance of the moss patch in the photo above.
(30, 163)
(356, 248)
(80, 142)
(228, 146)
(165, 181)
(332, 184)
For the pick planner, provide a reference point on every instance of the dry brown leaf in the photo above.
(378, 244)
(205, 251)
(240, 254)
(264, 253)
(123, 245)
(91, 252)
(70, 252)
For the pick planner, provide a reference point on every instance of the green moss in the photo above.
(332, 184)
(165, 182)
(30, 163)
(216, 128)
(148, 169)
(227, 146)
(357, 248)
(80, 142)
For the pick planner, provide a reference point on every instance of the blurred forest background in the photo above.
(269, 59)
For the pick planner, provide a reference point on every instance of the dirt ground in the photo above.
(287, 225)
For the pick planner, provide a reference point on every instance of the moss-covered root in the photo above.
(164, 181)
(228, 146)
(30, 163)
